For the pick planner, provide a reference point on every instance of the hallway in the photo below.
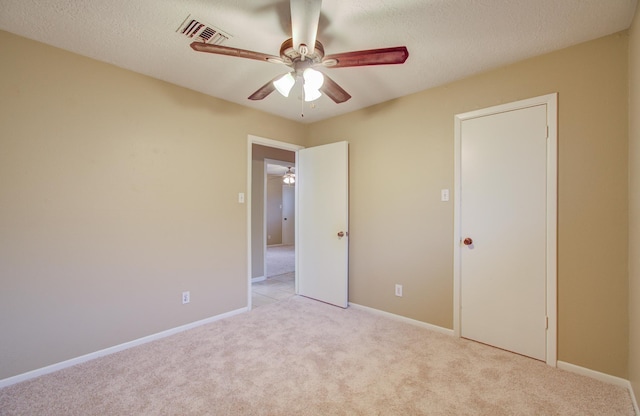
(280, 281)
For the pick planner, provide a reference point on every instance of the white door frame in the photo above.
(550, 101)
(251, 139)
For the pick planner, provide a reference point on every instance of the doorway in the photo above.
(321, 223)
(278, 281)
(271, 260)
(505, 227)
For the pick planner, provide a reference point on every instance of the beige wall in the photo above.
(401, 156)
(634, 204)
(115, 196)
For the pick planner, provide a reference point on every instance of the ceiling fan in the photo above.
(302, 53)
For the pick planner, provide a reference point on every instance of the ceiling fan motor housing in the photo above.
(289, 54)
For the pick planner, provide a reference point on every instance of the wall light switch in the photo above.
(444, 195)
(241, 197)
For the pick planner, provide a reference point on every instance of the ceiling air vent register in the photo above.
(197, 30)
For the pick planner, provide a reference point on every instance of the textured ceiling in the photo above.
(447, 40)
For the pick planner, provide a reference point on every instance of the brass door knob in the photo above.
(341, 234)
(467, 241)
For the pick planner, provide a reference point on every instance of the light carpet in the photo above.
(280, 260)
(302, 357)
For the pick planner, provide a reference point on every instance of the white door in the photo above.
(322, 223)
(288, 214)
(503, 230)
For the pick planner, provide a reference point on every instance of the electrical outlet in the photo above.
(399, 290)
(444, 195)
(186, 297)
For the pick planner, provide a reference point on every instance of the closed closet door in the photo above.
(503, 230)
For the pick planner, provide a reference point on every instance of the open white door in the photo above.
(322, 185)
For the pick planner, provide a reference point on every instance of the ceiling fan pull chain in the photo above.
(302, 102)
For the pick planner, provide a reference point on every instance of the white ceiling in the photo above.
(279, 168)
(447, 40)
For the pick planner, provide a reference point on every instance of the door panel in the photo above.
(503, 211)
(322, 212)
(288, 215)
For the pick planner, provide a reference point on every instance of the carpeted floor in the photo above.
(302, 357)
(280, 260)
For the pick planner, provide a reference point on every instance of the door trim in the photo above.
(551, 102)
(251, 139)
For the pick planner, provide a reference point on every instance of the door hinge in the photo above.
(547, 133)
(546, 324)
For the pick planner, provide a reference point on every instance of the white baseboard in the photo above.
(593, 374)
(606, 378)
(258, 279)
(401, 318)
(107, 351)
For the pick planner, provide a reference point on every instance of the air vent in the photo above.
(197, 30)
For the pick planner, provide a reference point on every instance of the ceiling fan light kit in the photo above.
(310, 94)
(284, 84)
(312, 78)
(313, 81)
(289, 177)
(302, 52)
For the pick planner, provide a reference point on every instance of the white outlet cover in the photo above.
(399, 290)
(444, 195)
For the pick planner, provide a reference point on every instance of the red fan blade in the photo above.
(334, 91)
(240, 53)
(386, 56)
(265, 90)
